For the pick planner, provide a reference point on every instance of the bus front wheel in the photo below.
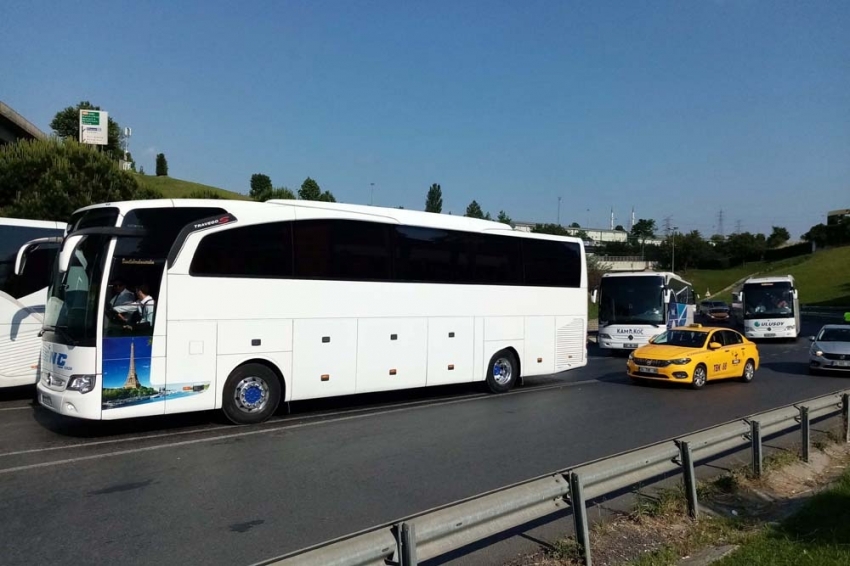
(251, 394)
(503, 371)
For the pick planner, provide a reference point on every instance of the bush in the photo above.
(50, 179)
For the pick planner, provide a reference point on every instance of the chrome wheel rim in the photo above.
(502, 371)
(749, 371)
(699, 377)
(251, 395)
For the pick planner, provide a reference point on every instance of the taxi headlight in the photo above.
(631, 355)
(82, 383)
(681, 362)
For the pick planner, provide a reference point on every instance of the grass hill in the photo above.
(823, 278)
(176, 188)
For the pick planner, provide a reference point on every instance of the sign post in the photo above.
(94, 127)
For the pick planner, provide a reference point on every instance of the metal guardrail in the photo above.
(434, 533)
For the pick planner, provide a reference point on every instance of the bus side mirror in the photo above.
(19, 260)
(67, 250)
(593, 295)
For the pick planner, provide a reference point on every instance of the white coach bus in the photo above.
(769, 307)
(242, 305)
(23, 290)
(635, 306)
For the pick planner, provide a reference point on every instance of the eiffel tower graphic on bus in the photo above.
(132, 378)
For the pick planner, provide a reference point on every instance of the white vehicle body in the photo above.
(770, 307)
(327, 323)
(635, 306)
(22, 296)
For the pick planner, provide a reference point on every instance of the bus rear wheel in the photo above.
(251, 394)
(503, 371)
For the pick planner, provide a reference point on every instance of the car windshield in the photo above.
(834, 335)
(684, 338)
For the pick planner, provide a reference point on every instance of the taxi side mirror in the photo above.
(651, 339)
(714, 346)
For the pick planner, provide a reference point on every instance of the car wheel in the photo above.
(749, 371)
(700, 377)
(252, 393)
(502, 372)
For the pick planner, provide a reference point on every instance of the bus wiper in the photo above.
(61, 331)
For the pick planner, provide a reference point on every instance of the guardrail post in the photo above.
(804, 425)
(580, 516)
(690, 479)
(407, 544)
(845, 412)
(755, 438)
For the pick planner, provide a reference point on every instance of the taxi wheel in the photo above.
(749, 371)
(700, 377)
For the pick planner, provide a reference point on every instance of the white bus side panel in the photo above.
(539, 345)
(391, 353)
(20, 344)
(191, 366)
(450, 347)
(571, 345)
(324, 357)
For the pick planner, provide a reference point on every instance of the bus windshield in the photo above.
(631, 300)
(71, 310)
(768, 300)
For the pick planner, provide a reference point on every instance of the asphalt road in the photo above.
(192, 490)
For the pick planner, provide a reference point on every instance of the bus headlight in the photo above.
(681, 362)
(82, 383)
(605, 336)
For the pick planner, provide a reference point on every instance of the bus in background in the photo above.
(635, 306)
(243, 305)
(769, 307)
(23, 293)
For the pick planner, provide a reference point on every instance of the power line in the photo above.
(668, 225)
(738, 228)
(720, 222)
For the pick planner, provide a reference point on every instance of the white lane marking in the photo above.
(284, 427)
(15, 408)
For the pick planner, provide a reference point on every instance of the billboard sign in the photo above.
(94, 127)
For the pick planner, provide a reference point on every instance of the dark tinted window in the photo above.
(162, 226)
(731, 338)
(497, 260)
(36, 272)
(94, 218)
(551, 264)
(342, 249)
(11, 239)
(264, 250)
(430, 255)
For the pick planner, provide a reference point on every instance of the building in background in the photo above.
(14, 127)
(835, 216)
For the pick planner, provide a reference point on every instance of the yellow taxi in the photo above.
(694, 355)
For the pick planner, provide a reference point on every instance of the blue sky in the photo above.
(679, 108)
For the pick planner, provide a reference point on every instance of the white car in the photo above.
(830, 350)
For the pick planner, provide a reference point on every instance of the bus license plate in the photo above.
(630, 345)
(647, 370)
(770, 334)
(46, 400)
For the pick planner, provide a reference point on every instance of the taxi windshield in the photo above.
(683, 338)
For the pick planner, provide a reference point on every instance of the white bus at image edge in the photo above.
(768, 307)
(242, 305)
(26, 258)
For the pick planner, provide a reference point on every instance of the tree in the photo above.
(575, 225)
(619, 228)
(281, 193)
(777, 237)
(327, 196)
(309, 190)
(434, 200)
(142, 170)
(261, 187)
(644, 229)
(554, 229)
(474, 210)
(50, 179)
(66, 125)
(161, 165)
(504, 218)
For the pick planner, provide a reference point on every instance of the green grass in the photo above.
(177, 188)
(818, 534)
(823, 278)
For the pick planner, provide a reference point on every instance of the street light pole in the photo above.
(371, 193)
(559, 211)
(673, 260)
